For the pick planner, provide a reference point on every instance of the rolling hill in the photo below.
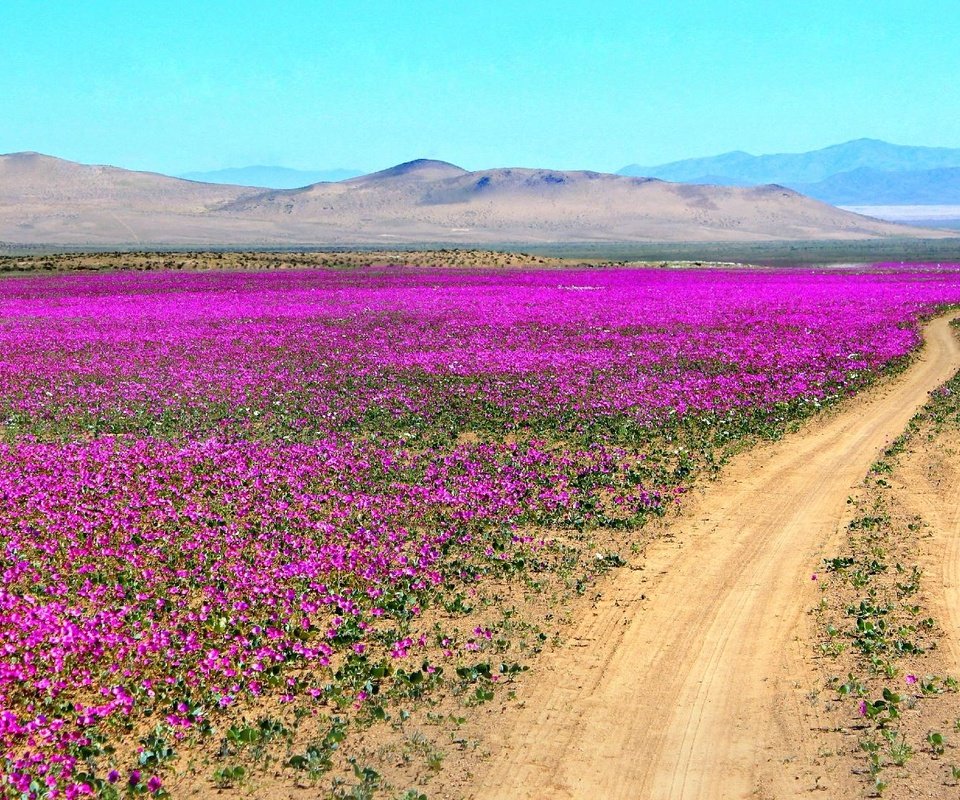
(48, 200)
(270, 177)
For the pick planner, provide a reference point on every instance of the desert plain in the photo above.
(466, 524)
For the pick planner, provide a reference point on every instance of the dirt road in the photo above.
(690, 678)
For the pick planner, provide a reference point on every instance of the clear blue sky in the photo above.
(178, 86)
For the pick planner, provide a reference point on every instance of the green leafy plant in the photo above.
(156, 748)
(228, 776)
(898, 749)
(884, 710)
(318, 757)
(935, 740)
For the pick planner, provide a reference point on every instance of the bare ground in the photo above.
(931, 482)
(45, 200)
(692, 675)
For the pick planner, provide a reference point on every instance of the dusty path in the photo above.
(689, 679)
(929, 483)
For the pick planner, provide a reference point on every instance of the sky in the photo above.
(180, 86)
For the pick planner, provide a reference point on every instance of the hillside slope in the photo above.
(48, 200)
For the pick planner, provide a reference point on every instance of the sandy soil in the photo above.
(905, 563)
(930, 484)
(691, 676)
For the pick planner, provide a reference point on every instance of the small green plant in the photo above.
(882, 666)
(882, 711)
(834, 649)
(935, 740)
(899, 751)
(240, 734)
(435, 760)
(364, 790)
(156, 748)
(872, 749)
(852, 686)
(229, 776)
(480, 695)
(314, 761)
(318, 757)
(270, 728)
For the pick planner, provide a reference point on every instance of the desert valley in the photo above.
(606, 445)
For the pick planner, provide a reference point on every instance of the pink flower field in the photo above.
(224, 493)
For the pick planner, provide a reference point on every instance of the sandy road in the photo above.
(689, 679)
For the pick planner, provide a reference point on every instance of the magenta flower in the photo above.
(210, 493)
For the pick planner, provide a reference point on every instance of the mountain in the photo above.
(742, 169)
(437, 201)
(48, 200)
(864, 171)
(907, 187)
(270, 177)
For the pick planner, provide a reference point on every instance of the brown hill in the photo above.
(48, 200)
(45, 199)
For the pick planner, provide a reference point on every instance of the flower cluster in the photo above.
(222, 487)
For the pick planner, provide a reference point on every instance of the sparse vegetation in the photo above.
(873, 595)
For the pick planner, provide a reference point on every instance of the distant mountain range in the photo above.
(49, 200)
(861, 172)
(271, 177)
(864, 172)
(864, 185)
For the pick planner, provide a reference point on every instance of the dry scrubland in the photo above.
(337, 532)
(216, 261)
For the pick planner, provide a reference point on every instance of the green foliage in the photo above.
(317, 759)
(935, 740)
(229, 776)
